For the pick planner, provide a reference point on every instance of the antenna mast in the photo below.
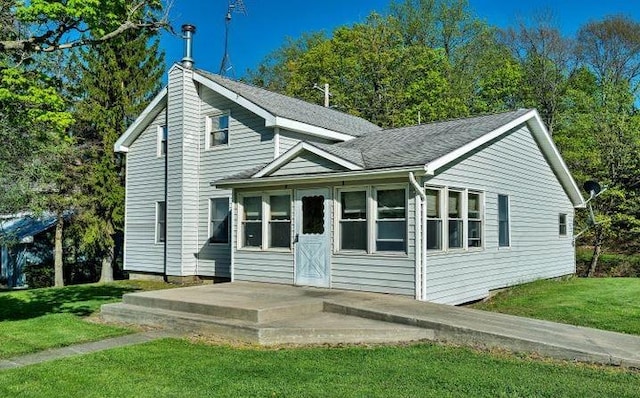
(234, 6)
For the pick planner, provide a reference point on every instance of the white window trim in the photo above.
(337, 205)
(208, 127)
(159, 135)
(509, 211)
(566, 225)
(210, 201)
(443, 218)
(444, 203)
(266, 208)
(372, 215)
(157, 220)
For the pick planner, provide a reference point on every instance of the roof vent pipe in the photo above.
(188, 31)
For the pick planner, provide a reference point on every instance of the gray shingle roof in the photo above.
(418, 145)
(296, 109)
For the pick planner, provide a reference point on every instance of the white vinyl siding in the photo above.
(512, 166)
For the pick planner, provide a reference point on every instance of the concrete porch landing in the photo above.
(271, 314)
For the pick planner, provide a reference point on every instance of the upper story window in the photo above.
(217, 130)
(162, 140)
(503, 221)
(219, 220)
(562, 224)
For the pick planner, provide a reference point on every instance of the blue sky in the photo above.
(269, 22)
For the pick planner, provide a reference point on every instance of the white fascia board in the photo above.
(149, 113)
(541, 135)
(432, 166)
(234, 97)
(305, 128)
(295, 151)
(358, 175)
(553, 156)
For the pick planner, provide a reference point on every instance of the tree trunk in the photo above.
(106, 275)
(58, 265)
(597, 249)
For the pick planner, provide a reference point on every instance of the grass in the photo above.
(177, 368)
(34, 320)
(603, 303)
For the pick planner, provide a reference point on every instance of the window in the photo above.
(313, 215)
(266, 221)
(456, 221)
(252, 221)
(162, 140)
(562, 224)
(391, 220)
(280, 221)
(161, 222)
(434, 220)
(503, 221)
(353, 220)
(218, 130)
(219, 220)
(474, 220)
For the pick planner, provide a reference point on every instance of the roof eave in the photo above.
(146, 117)
(356, 175)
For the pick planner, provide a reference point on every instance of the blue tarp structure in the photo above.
(17, 234)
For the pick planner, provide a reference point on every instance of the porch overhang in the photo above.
(357, 175)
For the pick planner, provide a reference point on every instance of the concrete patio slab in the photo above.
(277, 314)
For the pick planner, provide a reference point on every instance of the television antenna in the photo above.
(594, 190)
(234, 6)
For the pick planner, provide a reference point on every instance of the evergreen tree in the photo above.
(117, 81)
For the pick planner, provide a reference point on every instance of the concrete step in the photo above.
(316, 328)
(241, 311)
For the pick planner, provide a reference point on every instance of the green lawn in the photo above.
(603, 303)
(177, 368)
(34, 320)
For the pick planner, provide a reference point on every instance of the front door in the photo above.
(312, 243)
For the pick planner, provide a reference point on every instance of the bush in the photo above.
(39, 274)
(609, 264)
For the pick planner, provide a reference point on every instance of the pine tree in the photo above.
(117, 81)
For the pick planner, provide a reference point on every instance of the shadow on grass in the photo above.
(77, 300)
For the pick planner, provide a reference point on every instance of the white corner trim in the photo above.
(234, 97)
(150, 112)
(295, 151)
(308, 129)
(276, 142)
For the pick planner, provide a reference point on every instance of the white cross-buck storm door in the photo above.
(312, 237)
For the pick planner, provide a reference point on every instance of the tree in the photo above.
(611, 48)
(63, 24)
(117, 81)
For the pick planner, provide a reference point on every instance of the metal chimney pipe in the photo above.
(188, 31)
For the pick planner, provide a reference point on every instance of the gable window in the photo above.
(252, 221)
(503, 221)
(280, 221)
(434, 220)
(162, 140)
(562, 224)
(455, 220)
(218, 130)
(161, 222)
(353, 220)
(474, 220)
(219, 220)
(391, 220)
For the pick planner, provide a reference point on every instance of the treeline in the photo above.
(426, 60)
(73, 76)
